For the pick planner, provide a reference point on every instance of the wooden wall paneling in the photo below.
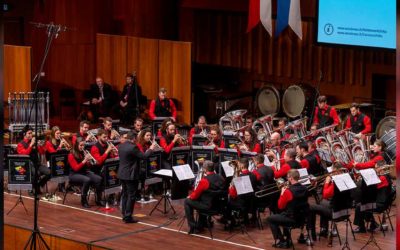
(165, 77)
(149, 66)
(133, 57)
(103, 53)
(17, 69)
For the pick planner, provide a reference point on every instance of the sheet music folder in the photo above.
(164, 173)
(243, 185)
(370, 177)
(343, 182)
(183, 172)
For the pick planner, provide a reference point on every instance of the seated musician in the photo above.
(308, 160)
(242, 202)
(377, 155)
(358, 122)
(383, 194)
(170, 141)
(55, 142)
(200, 128)
(325, 115)
(324, 209)
(102, 150)
(313, 135)
(312, 150)
(83, 129)
(81, 172)
(111, 133)
(163, 128)
(137, 125)
(143, 141)
(290, 163)
(202, 196)
(294, 203)
(250, 141)
(162, 106)
(27, 147)
(285, 132)
(215, 138)
(249, 121)
(275, 147)
(101, 100)
(264, 175)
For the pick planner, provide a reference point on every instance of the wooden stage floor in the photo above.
(153, 232)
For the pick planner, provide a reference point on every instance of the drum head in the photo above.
(268, 100)
(386, 124)
(293, 101)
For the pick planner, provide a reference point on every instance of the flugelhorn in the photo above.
(92, 160)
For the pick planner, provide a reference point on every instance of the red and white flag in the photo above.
(260, 10)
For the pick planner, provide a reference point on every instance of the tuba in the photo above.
(232, 120)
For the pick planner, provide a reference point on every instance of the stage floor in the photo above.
(158, 231)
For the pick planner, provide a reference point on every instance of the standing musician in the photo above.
(107, 127)
(138, 125)
(130, 98)
(82, 133)
(358, 122)
(27, 147)
(162, 106)
(294, 202)
(290, 163)
(309, 160)
(81, 173)
(200, 128)
(325, 115)
(202, 196)
(250, 141)
(377, 155)
(264, 175)
(128, 173)
(55, 142)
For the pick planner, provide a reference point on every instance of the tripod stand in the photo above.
(164, 197)
(20, 200)
(371, 240)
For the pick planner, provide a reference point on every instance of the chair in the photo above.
(345, 218)
(71, 186)
(384, 211)
(67, 99)
(300, 222)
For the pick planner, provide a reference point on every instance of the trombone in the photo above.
(92, 160)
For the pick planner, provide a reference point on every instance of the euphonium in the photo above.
(92, 160)
(199, 176)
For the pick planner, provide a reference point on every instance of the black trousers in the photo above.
(88, 179)
(277, 220)
(361, 216)
(190, 205)
(43, 174)
(324, 210)
(129, 189)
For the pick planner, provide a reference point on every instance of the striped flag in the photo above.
(260, 10)
(289, 15)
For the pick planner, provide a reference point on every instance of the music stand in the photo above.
(59, 167)
(19, 176)
(166, 176)
(230, 139)
(201, 153)
(156, 124)
(112, 184)
(198, 140)
(226, 154)
(150, 165)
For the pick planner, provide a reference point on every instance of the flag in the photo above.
(289, 15)
(260, 10)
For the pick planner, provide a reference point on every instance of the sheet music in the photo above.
(370, 177)
(267, 162)
(329, 169)
(243, 185)
(183, 172)
(164, 172)
(304, 175)
(227, 169)
(343, 182)
(324, 154)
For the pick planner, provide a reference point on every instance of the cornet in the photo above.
(183, 140)
(92, 160)
(66, 145)
(115, 133)
(92, 137)
(113, 148)
(157, 146)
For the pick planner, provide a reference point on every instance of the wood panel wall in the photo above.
(16, 238)
(158, 63)
(17, 69)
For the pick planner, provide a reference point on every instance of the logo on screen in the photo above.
(328, 29)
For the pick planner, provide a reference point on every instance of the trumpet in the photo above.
(157, 146)
(92, 160)
(113, 148)
(92, 137)
(115, 134)
(183, 140)
(65, 143)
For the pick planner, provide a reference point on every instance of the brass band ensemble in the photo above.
(291, 164)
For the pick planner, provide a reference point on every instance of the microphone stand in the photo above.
(136, 95)
(36, 239)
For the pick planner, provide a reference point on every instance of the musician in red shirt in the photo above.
(83, 132)
(200, 128)
(308, 160)
(101, 151)
(324, 114)
(162, 106)
(358, 122)
(250, 142)
(55, 142)
(290, 163)
(376, 156)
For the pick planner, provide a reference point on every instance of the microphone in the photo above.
(51, 28)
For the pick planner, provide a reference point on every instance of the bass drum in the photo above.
(298, 100)
(268, 100)
(386, 124)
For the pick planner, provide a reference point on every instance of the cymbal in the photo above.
(348, 105)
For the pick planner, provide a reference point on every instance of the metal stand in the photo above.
(20, 200)
(243, 230)
(371, 240)
(166, 199)
(346, 242)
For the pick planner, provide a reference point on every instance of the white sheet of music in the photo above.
(227, 169)
(243, 185)
(343, 182)
(329, 169)
(304, 174)
(267, 162)
(164, 172)
(183, 172)
(370, 177)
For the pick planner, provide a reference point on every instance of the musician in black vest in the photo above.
(294, 202)
(128, 173)
(202, 196)
(101, 100)
(81, 172)
(290, 163)
(162, 106)
(27, 147)
(130, 99)
(82, 133)
(264, 174)
(200, 128)
(55, 142)
(358, 122)
(325, 115)
(309, 161)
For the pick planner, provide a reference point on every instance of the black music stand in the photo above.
(230, 139)
(112, 184)
(203, 153)
(166, 175)
(19, 176)
(59, 167)
(199, 140)
(156, 124)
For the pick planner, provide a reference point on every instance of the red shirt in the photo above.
(384, 182)
(94, 151)
(152, 108)
(328, 190)
(371, 163)
(203, 186)
(284, 199)
(332, 114)
(255, 172)
(74, 164)
(305, 163)
(282, 172)
(232, 189)
(49, 148)
(366, 121)
(21, 150)
(167, 147)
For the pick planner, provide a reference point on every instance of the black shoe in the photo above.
(373, 227)
(284, 244)
(101, 203)
(323, 233)
(359, 230)
(193, 230)
(130, 220)
(301, 239)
